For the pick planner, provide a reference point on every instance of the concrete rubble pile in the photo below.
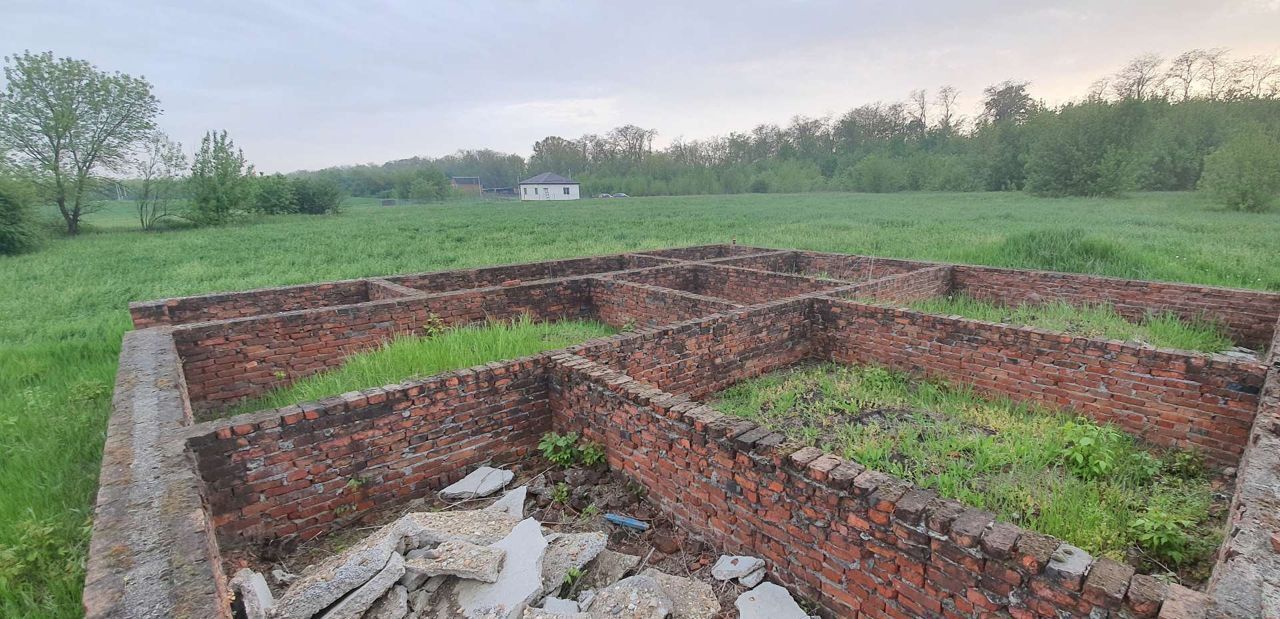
(491, 563)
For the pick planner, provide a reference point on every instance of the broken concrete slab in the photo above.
(424, 529)
(322, 585)
(539, 613)
(637, 597)
(728, 567)
(768, 601)
(394, 604)
(511, 503)
(754, 578)
(690, 599)
(454, 558)
(482, 482)
(607, 568)
(354, 605)
(519, 582)
(559, 605)
(568, 551)
(252, 593)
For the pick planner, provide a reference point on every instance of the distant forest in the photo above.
(1149, 126)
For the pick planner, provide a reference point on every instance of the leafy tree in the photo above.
(1084, 150)
(159, 169)
(316, 196)
(17, 231)
(1245, 173)
(1007, 101)
(221, 180)
(66, 121)
(275, 195)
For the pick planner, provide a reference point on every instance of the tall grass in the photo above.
(1163, 330)
(991, 454)
(64, 307)
(409, 357)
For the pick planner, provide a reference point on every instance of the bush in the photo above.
(877, 174)
(275, 195)
(17, 231)
(1244, 174)
(317, 196)
(1090, 450)
(1084, 151)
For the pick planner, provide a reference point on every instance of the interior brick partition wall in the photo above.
(860, 543)
(246, 303)
(443, 281)
(381, 290)
(620, 303)
(225, 362)
(902, 288)
(1249, 316)
(833, 266)
(703, 356)
(1167, 398)
(705, 252)
(745, 286)
(286, 471)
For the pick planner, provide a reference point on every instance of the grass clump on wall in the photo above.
(410, 357)
(1098, 321)
(1087, 484)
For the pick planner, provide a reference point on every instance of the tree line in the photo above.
(1199, 119)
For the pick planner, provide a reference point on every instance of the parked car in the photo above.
(620, 195)
(605, 195)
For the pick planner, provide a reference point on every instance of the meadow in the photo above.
(64, 308)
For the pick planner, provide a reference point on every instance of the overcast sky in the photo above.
(303, 85)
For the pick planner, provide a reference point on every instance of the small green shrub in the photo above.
(1161, 534)
(1090, 449)
(274, 195)
(560, 494)
(1185, 463)
(17, 230)
(592, 454)
(1141, 467)
(560, 449)
(1244, 174)
(317, 196)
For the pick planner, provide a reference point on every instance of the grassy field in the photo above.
(410, 357)
(1009, 459)
(1098, 321)
(64, 308)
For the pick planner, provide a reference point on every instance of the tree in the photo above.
(948, 122)
(275, 195)
(1140, 80)
(1259, 77)
(221, 180)
(1007, 101)
(1183, 73)
(317, 196)
(66, 121)
(159, 169)
(1244, 174)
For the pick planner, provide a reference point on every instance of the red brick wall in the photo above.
(381, 290)
(225, 362)
(902, 288)
(287, 471)
(249, 303)
(1165, 397)
(831, 266)
(859, 543)
(745, 286)
(705, 252)
(704, 356)
(1250, 316)
(444, 281)
(620, 303)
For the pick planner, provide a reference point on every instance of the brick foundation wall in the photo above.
(1250, 316)
(381, 290)
(745, 286)
(620, 303)
(859, 543)
(705, 252)
(249, 303)
(1165, 397)
(704, 356)
(445, 281)
(225, 362)
(285, 472)
(830, 266)
(902, 288)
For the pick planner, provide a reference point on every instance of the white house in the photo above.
(548, 186)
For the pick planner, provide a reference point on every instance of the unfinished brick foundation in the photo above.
(174, 488)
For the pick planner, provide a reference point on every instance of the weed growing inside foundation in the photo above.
(1088, 484)
(409, 357)
(1162, 330)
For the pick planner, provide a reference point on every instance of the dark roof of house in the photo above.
(547, 178)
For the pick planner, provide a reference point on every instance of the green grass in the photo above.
(1162, 330)
(410, 357)
(64, 308)
(991, 454)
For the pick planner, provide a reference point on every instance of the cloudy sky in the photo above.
(302, 85)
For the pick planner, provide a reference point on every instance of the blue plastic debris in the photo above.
(626, 521)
